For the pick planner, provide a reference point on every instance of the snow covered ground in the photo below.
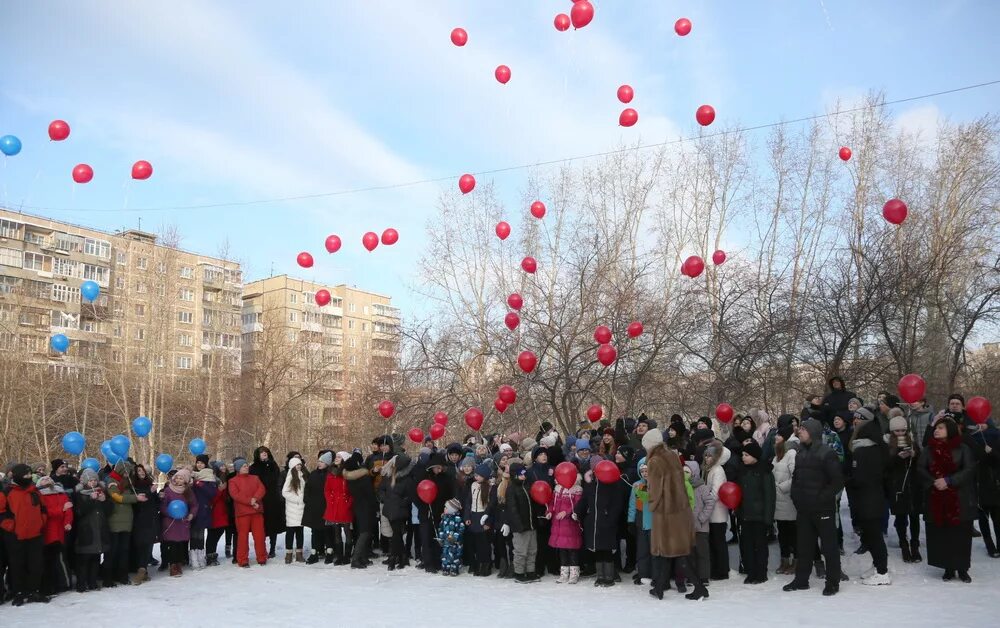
(319, 595)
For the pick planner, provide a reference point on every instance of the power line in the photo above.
(394, 186)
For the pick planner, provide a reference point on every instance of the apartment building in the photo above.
(161, 309)
(340, 346)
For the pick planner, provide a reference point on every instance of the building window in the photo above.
(69, 243)
(116, 357)
(350, 324)
(140, 287)
(354, 360)
(37, 261)
(161, 267)
(119, 283)
(143, 262)
(65, 294)
(117, 331)
(352, 307)
(293, 317)
(184, 340)
(184, 362)
(293, 298)
(9, 229)
(11, 257)
(97, 248)
(99, 274)
(140, 333)
(161, 290)
(185, 294)
(122, 258)
(364, 326)
(65, 267)
(140, 310)
(207, 317)
(186, 272)
(354, 343)
(185, 317)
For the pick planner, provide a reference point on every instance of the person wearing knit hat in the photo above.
(549, 440)
(756, 511)
(863, 414)
(786, 432)
(326, 458)
(904, 490)
(866, 491)
(450, 534)
(752, 449)
(201, 462)
(239, 462)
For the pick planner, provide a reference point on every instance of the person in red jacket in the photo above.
(220, 518)
(338, 515)
(247, 493)
(22, 518)
(58, 522)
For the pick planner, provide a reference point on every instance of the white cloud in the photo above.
(921, 121)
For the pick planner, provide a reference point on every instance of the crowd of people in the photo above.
(663, 521)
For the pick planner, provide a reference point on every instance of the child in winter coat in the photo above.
(642, 519)
(714, 458)
(247, 493)
(177, 532)
(450, 536)
(294, 493)
(220, 518)
(566, 535)
(756, 511)
(58, 521)
(521, 515)
(93, 537)
(123, 497)
(205, 488)
(22, 519)
(338, 515)
(476, 509)
(396, 493)
(503, 547)
(703, 507)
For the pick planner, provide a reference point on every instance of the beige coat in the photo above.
(672, 534)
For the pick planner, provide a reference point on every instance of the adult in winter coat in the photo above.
(475, 501)
(905, 491)
(522, 514)
(866, 490)
(600, 510)
(364, 508)
(715, 458)
(58, 521)
(265, 468)
(91, 506)
(836, 400)
(430, 514)
(948, 473)
(919, 421)
(984, 442)
(123, 498)
(22, 520)
(176, 533)
(145, 524)
(784, 509)
(293, 492)
(817, 480)
(248, 494)
(220, 518)
(566, 535)
(397, 491)
(314, 504)
(205, 488)
(338, 515)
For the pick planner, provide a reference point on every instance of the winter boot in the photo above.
(313, 558)
(563, 575)
(915, 551)
(176, 570)
(192, 559)
(520, 578)
(289, 557)
(486, 569)
(229, 551)
(831, 588)
(329, 559)
(391, 565)
(783, 569)
(905, 549)
(140, 576)
(299, 556)
(657, 590)
(574, 575)
(700, 592)
(820, 569)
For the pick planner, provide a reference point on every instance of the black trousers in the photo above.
(362, 546)
(547, 558)
(718, 551)
(212, 544)
(335, 539)
(911, 521)
(396, 547)
(985, 514)
(116, 561)
(24, 564)
(480, 546)
(809, 528)
(753, 548)
(318, 536)
(55, 576)
(430, 549)
(871, 536)
(88, 567)
(293, 535)
(569, 558)
(679, 567)
(503, 547)
(786, 538)
(173, 552)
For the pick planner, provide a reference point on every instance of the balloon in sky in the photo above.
(718, 257)
(322, 297)
(500, 405)
(89, 291)
(582, 13)
(73, 443)
(370, 240)
(164, 463)
(474, 418)
(441, 418)
(466, 183)
(682, 26)
(91, 463)
(602, 334)
(508, 393)
(390, 236)
(694, 266)
(82, 173)
(527, 361)
(634, 329)
(141, 426)
(459, 37)
(705, 115)
(120, 445)
(142, 170)
(594, 413)
(628, 117)
(529, 265)
(894, 211)
(502, 73)
(515, 301)
(386, 409)
(59, 342)
(416, 435)
(512, 320)
(332, 243)
(503, 230)
(911, 388)
(58, 130)
(625, 94)
(606, 354)
(845, 153)
(197, 446)
(538, 209)
(304, 259)
(437, 431)
(10, 145)
(561, 22)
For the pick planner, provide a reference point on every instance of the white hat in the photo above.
(294, 462)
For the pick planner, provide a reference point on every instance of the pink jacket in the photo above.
(566, 532)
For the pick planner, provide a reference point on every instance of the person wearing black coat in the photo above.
(600, 510)
(905, 492)
(362, 490)
(866, 490)
(145, 524)
(984, 441)
(397, 492)
(429, 515)
(265, 468)
(314, 498)
(521, 523)
(836, 400)
(547, 558)
(817, 480)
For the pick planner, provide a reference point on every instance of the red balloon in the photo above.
(503, 230)
(628, 117)
(607, 472)
(322, 297)
(541, 492)
(845, 153)
(386, 409)
(142, 170)
(625, 94)
(332, 244)
(894, 211)
(527, 361)
(582, 13)
(474, 418)
(538, 209)
(502, 73)
(515, 301)
(529, 265)
(566, 474)
(594, 413)
(437, 431)
(390, 236)
(441, 418)
(634, 329)
(911, 388)
(304, 259)
(682, 26)
(59, 130)
(369, 241)
(512, 320)
(561, 22)
(606, 355)
(416, 435)
(427, 491)
(694, 266)
(466, 183)
(731, 495)
(705, 115)
(507, 393)
(602, 335)
(979, 409)
(459, 37)
(718, 257)
(500, 405)
(724, 412)
(82, 173)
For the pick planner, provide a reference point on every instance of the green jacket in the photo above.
(122, 499)
(757, 483)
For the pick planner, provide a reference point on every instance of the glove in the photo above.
(482, 521)
(505, 530)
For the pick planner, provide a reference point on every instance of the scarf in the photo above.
(944, 506)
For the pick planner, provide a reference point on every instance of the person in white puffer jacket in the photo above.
(716, 456)
(294, 492)
(785, 447)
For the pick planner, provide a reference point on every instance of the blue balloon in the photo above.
(120, 445)
(89, 290)
(109, 453)
(90, 463)
(60, 343)
(141, 426)
(164, 463)
(73, 443)
(177, 509)
(197, 446)
(10, 145)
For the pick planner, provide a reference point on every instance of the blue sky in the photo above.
(237, 101)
